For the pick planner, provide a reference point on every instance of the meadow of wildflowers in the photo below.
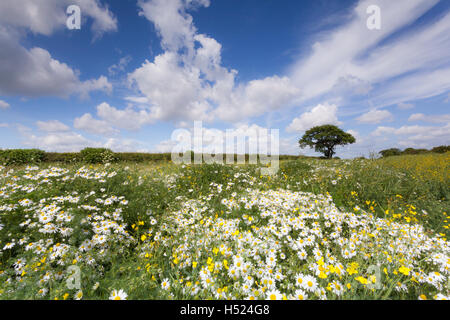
(341, 229)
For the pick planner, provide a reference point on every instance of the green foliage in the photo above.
(441, 149)
(21, 156)
(390, 152)
(411, 151)
(325, 138)
(415, 151)
(142, 157)
(62, 157)
(97, 155)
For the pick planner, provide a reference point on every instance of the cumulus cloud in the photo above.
(45, 17)
(35, 72)
(188, 82)
(173, 91)
(173, 23)
(129, 118)
(241, 139)
(125, 145)
(88, 124)
(111, 119)
(346, 61)
(52, 126)
(417, 136)
(319, 115)
(58, 140)
(4, 104)
(376, 116)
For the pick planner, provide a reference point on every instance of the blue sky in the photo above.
(138, 70)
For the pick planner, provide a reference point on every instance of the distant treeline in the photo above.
(397, 152)
(92, 156)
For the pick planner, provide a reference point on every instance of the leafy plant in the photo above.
(97, 155)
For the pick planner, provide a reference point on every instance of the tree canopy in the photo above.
(325, 138)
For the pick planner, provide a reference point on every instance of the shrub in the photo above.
(21, 156)
(143, 157)
(62, 157)
(97, 155)
(441, 149)
(390, 152)
(415, 151)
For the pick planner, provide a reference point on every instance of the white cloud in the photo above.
(346, 61)
(4, 104)
(381, 131)
(52, 126)
(165, 146)
(120, 66)
(88, 124)
(444, 118)
(68, 141)
(112, 119)
(138, 100)
(58, 142)
(420, 85)
(370, 58)
(35, 73)
(173, 92)
(4, 125)
(188, 82)
(64, 141)
(254, 98)
(405, 106)
(45, 17)
(125, 145)
(172, 22)
(376, 116)
(319, 115)
(129, 118)
(247, 138)
(418, 136)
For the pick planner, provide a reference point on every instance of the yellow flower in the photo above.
(404, 270)
(361, 280)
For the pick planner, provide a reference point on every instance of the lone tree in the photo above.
(325, 138)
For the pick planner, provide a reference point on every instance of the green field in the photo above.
(318, 229)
